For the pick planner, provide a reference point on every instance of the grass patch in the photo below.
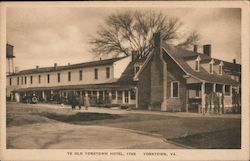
(224, 139)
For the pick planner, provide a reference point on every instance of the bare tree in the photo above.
(133, 30)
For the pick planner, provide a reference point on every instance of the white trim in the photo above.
(143, 66)
(172, 90)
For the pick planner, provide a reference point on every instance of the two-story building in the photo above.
(168, 79)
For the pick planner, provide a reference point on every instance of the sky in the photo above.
(44, 36)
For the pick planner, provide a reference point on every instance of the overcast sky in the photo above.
(43, 36)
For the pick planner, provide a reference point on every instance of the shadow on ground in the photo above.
(228, 139)
(90, 116)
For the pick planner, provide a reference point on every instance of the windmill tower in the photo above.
(10, 56)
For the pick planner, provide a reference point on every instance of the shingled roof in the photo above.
(181, 55)
(69, 67)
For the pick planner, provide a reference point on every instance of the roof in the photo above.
(69, 67)
(180, 56)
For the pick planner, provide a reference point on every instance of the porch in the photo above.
(206, 97)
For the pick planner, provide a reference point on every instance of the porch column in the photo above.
(128, 96)
(203, 97)
(43, 95)
(187, 97)
(17, 97)
(97, 97)
(222, 107)
(123, 97)
(212, 98)
(110, 97)
(116, 95)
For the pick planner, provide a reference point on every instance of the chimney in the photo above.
(68, 64)
(37, 67)
(157, 42)
(195, 48)
(134, 56)
(234, 61)
(55, 65)
(207, 49)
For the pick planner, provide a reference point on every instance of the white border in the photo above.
(57, 154)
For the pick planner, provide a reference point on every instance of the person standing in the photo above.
(86, 102)
(80, 102)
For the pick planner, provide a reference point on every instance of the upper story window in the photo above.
(39, 79)
(197, 65)
(48, 78)
(69, 76)
(175, 89)
(80, 75)
(58, 77)
(10, 81)
(22, 80)
(17, 81)
(31, 79)
(107, 72)
(96, 73)
(25, 80)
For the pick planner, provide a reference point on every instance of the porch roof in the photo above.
(107, 86)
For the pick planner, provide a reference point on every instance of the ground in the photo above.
(53, 126)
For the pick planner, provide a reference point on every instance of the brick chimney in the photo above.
(234, 61)
(37, 68)
(207, 49)
(55, 65)
(157, 42)
(195, 48)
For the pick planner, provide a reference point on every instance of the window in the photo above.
(17, 81)
(175, 89)
(31, 79)
(113, 93)
(25, 80)
(132, 94)
(22, 80)
(96, 73)
(137, 68)
(211, 68)
(197, 93)
(80, 75)
(220, 69)
(58, 77)
(10, 82)
(107, 72)
(39, 79)
(119, 96)
(69, 76)
(197, 65)
(48, 78)
(227, 90)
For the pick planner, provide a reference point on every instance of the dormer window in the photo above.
(137, 68)
(220, 68)
(211, 67)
